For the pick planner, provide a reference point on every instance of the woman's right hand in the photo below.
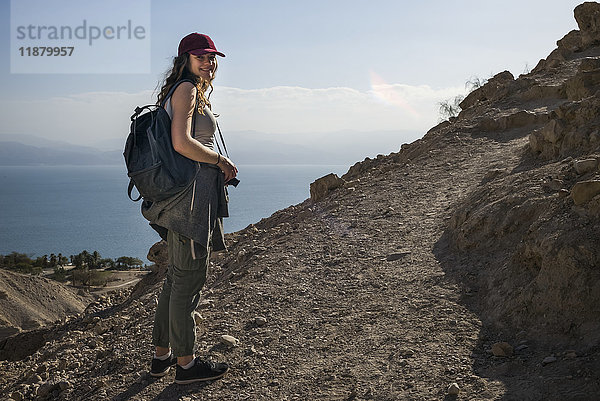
(227, 167)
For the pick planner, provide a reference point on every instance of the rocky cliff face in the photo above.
(532, 228)
(465, 263)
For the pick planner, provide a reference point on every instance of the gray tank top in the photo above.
(205, 125)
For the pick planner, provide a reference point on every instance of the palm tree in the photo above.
(53, 260)
(85, 255)
(62, 260)
(95, 260)
(77, 260)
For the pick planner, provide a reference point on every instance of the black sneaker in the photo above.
(160, 368)
(201, 371)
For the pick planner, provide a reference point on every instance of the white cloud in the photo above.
(86, 118)
(295, 110)
(89, 118)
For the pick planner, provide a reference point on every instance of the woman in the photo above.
(190, 221)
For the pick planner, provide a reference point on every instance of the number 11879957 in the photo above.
(39, 51)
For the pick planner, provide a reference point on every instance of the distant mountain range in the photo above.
(14, 153)
(245, 147)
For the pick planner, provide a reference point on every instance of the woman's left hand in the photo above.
(228, 168)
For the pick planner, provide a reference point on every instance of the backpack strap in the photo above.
(170, 93)
(172, 90)
(130, 189)
(138, 110)
(222, 141)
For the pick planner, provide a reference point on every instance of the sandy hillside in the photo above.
(29, 302)
(468, 258)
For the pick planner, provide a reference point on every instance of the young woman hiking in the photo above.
(190, 221)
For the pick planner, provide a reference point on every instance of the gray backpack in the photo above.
(153, 166)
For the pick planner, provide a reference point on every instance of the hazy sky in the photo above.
(291, 66)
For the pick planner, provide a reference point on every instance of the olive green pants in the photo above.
(174, 323)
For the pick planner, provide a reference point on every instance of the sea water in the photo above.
(68, 209)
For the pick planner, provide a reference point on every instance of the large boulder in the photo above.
(510, 120)
(585, 166)
(571, 42)
(495, 88)
(546, 140)
(158, 254)
(587, 16)
(584, 84)
(585, 191)
(573, 130)
(322, 186)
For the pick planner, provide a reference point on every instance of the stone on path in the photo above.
(197, 317)
(453, 389)
(570, 354)
(230, 340)
(397, 256)
(502, 349)
(585, 191)
(585, 166)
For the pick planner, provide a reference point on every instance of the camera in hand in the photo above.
(234, 181)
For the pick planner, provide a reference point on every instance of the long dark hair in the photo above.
(181, 71)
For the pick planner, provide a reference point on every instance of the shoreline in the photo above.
(69, 220)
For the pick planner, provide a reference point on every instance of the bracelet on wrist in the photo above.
(218, 159)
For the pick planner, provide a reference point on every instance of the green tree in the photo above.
(81, 276)
(88, 277)
(39, 261)
(27, 268)
(127, 262)
(13, 259)
(107, 263)
(95, 259)
(87, 258)
(60, 274)
(77, 261)
(62, 260)
(53, 261)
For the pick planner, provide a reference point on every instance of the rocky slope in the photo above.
(467, 262)
(533, 226)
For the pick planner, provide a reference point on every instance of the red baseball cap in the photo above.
(197, 44)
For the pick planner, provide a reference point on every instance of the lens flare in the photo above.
(390, 94)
